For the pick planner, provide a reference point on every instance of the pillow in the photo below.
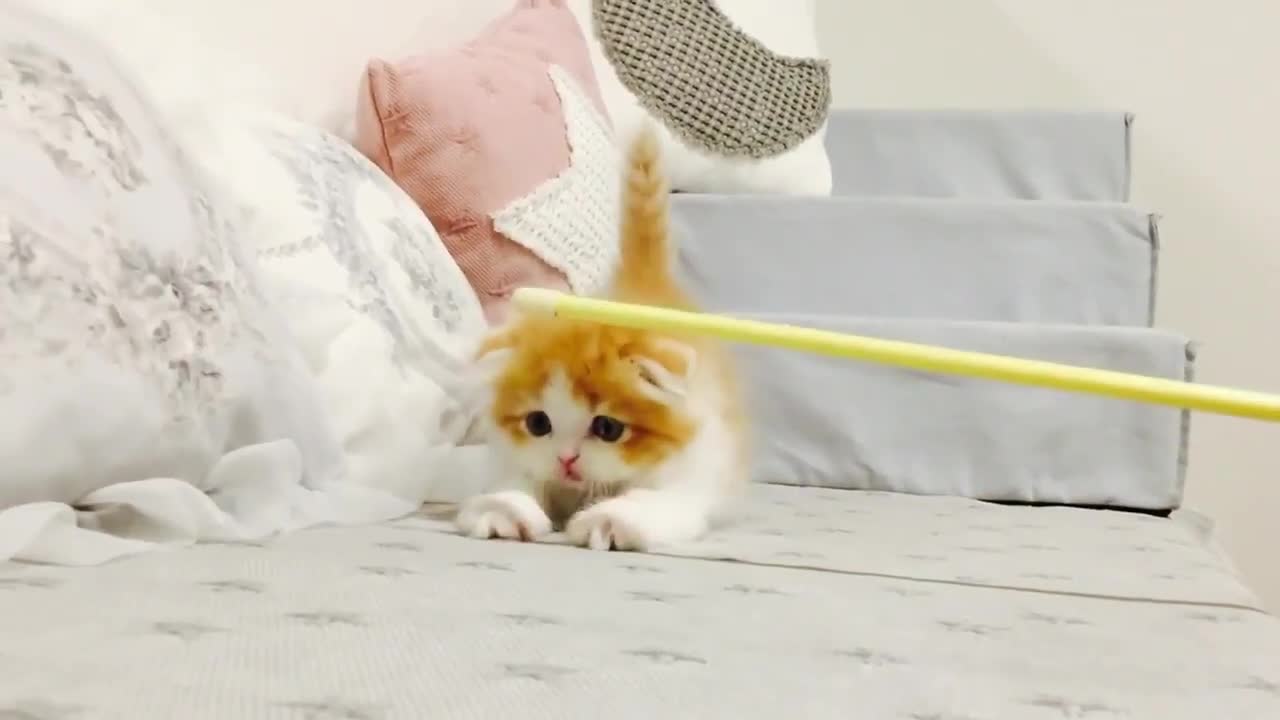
(738, 87)
(143, 374)
(503, 142)
(382, 313)
(280, 55)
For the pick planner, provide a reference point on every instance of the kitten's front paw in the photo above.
(616, 524)
(508, 515)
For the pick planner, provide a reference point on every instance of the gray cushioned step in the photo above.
(1032, 155)
(845, 424)
(1015, 261)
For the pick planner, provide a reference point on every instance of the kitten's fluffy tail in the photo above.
(644, 268)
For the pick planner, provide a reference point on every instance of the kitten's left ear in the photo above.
(666, 368)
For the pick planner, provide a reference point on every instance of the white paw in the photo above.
(617, 524)
(508, 515)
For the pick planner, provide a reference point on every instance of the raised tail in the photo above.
(644, 271)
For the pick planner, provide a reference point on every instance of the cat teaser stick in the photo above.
(929, 358)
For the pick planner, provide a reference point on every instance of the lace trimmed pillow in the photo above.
(383, 314)
(143, 374)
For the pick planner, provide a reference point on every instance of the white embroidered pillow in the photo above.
(384, 316)
(140, 362)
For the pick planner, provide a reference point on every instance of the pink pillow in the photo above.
(505, 145)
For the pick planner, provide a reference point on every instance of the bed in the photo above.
(810, 603)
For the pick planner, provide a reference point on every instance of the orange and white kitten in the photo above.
(625, 439)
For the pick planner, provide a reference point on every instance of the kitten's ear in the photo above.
(666, 368)
(500, 339)
(493, 352)
(463, 424)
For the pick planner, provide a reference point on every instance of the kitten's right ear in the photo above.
(463, 424)
(495, 341)
(493, 352)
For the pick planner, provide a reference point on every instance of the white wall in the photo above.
(1204, 81)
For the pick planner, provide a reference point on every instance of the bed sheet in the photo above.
(813, 603)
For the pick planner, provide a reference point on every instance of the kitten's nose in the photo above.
(567, 459)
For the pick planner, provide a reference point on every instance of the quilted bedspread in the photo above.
(812, 604)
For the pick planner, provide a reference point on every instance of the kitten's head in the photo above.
(585, 406)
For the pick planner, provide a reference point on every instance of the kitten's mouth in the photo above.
(571, 478)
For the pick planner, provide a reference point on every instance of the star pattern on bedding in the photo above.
(535, 621)
(570, 220)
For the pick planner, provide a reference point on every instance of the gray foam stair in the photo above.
(1033, 155)
(1008, 261)
(840, 423)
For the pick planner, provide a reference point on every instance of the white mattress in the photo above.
(815, 604)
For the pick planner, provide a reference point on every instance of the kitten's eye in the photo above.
(606, 428)
(537, 423)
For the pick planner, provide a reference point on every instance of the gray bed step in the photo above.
(1035, 155)
(1013, 261)
(838, 423)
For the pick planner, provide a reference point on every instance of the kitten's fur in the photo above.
(680, 455)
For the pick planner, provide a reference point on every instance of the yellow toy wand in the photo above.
(930, 358)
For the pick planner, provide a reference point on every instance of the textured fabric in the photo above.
(1070, 263)
(141, 363)
(1029, 155)
(384, 316)
(786, 33)
(713, 85)
(287, 56)
(815, 604)
(837, 423)
(570, 220)
(504, 144)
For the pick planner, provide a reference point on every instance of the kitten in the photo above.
(625, 439)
